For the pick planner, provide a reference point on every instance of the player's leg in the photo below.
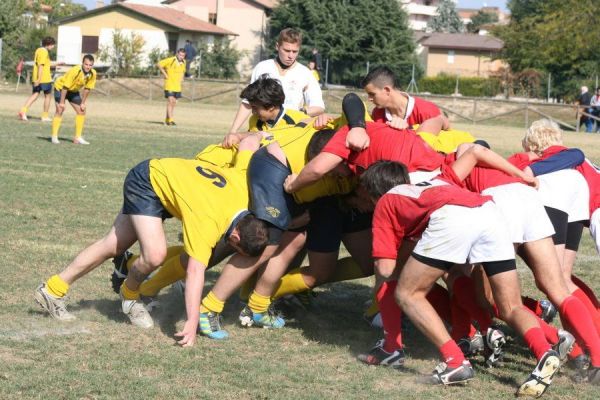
(30, 100)
(75, 102)
(47, 101)
(57, 120)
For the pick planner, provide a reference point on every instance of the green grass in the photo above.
(54, 200)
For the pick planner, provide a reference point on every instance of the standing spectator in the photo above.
(595, 103)
(173, 69)
(584, 99)
(190, 54)
(41, 79)
(316, 57)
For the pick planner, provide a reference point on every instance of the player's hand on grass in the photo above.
(322, 120)
(188, 334)
(397, 123)
(357, 139)
(287, 184)
(230, 140)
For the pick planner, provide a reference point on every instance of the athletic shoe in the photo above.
(581, 364)
(54, 140)
(46, 119)
(120, 272)
(22, 116)
(564, 345)
(444, 375)
(541, 377)
(378, 356)
(80, 141)
(471, 346)
(172, 123)
(548, 311)
(55, 306)
(137, 313)
(210, 325)
(151, 303)
(246, 317)
(494, 340)
(265, 320)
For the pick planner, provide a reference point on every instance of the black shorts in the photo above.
(491, 268)
(42, 87)
(168, 94)
(139, 197)
(560, 222)
(71, 97)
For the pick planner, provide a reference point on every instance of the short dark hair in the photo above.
(254, 235)
(318, 142)
(180, 50)
(265, 92)
(382, 176)
(88, 57)
(380, 76)
(48, 41)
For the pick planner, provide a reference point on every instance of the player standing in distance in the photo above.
(41, 79)
(173, 69)
(301, 89)
(67, 87)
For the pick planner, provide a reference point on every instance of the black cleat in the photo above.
(120, 272)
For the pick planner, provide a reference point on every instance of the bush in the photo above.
(124, 54)
(475, 87)
(217, 61)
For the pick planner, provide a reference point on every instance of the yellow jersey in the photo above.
(41, 58)
(286, 118)
(205, 197)
(446, 141)
(175, 71)
(75, 80)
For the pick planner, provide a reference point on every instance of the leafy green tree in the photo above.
(350, 33)
(124, 54)
(479, 19)
(218, 60)
(446, 19)
(155, 55)
(12, 26)
(62, 8)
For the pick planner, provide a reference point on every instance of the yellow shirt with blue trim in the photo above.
(41, 57)
(286, 118)
(175, 71)
(203, 196)
(75, 80)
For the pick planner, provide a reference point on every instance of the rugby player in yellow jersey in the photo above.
(211, 202)
(66, 88)
(41, 79)
(173, 70)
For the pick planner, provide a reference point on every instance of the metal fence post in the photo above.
(326, 82)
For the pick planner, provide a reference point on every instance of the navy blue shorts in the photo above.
(139, 197)
(168, 94)
(71, 97)
(42, 87)
(268, 200)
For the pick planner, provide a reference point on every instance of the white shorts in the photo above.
(523, 212)
(595, 228)
(459, 234)
(568, 191)
(422, 176)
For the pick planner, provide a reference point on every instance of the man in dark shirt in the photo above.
(585, 99)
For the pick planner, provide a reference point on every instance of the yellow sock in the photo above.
(56, 286)
(211, 303)
(259, 303)
(79, 121)
(129, 294)
(24, 110)
(56, 125)
(291, 283)
(346, 269)
(44, 115)
(170, 272)
(247, 288)
(373, 308)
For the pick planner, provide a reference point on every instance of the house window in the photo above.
(89, 44)
(450, 56)
(212, 18)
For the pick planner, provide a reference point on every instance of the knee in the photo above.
(153, 258)
(403, 296)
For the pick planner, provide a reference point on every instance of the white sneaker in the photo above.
(137, 313)
(22, 116)
(54, 140)
(46, 119)
(80, 141)
(55, 306)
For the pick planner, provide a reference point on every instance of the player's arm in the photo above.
(162, 70)
(84, 96)
(354, 110)
(566, 159)
(432, 125)
(194, 284)
(243, 112)
(314, 98)
(316, 168)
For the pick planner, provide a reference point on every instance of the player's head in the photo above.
(180, 54)
(379, 84)
(542, 134)
(265, 96)
(250, 236)
(382, 176)
(312, 65)
(316, 145)
(48, 42)
(288, 46)
(87, 63)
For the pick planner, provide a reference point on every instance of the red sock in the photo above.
(391, 316)
(587, 290)
(439, 298)
(461, 320)
(536, 341)
(464, 290)
(592, 310)
(451, 354)
(550, 332)
(575, 313)
(532, 304)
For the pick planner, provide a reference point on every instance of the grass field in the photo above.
(54, 200)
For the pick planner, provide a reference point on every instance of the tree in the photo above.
(124, 54)
(479, 19)
(62, 8)
(350, 33)
(217, 61)
(12, 26)
(446, 19)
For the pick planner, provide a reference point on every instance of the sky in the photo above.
(461, 3)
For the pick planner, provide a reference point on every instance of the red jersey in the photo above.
(404, 212)
(482, 178)
(417, 111)
(386, 144)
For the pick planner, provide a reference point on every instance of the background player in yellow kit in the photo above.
(41, 79)
(173, 69)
